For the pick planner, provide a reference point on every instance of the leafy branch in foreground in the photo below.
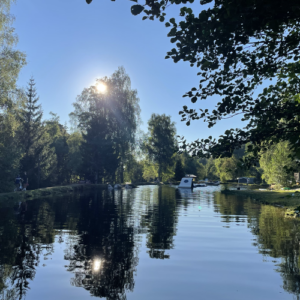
(238, 46)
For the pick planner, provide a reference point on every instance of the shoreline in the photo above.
(288, 199)
(55, 191)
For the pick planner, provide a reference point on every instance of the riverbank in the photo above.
(55, 191)
(289, 199)
(157, 183)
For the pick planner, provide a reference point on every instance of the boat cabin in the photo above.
(187, 181)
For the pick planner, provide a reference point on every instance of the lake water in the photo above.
(148, 243)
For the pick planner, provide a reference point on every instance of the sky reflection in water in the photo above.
(146, 243)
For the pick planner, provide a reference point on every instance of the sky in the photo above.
(69, 44)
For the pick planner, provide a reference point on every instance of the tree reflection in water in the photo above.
(23, 230)
(277, 236)
(103, 234)
(160, 220)
(105, 257)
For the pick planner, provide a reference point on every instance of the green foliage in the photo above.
(9, 151)
(74, 142)
(133, 170)
(127, 113)
(38, 159)
(43, 165)
(168, 174)
(11, 62)
(210, 171)
(179, 171)
(161, 143)
(226, 168)
(31, 119)
(192, 165)
(277, 164)
(100, 159)
(237, 46)
(59, 137)
(150, 171)
(108, 122)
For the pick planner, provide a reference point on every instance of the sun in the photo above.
(101, 87)
(97, 265)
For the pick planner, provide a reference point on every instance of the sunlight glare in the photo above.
(97, 265)
(101, 87)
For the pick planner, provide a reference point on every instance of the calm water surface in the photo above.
(148, 243)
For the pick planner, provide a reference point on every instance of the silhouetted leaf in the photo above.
(136, 9)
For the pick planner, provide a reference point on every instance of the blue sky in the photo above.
(69, 44)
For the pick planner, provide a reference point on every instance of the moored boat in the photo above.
(187, 182)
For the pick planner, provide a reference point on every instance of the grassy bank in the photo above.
(289, 199)
(56, 191)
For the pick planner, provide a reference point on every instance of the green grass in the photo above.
(56, 191)
(276, 197)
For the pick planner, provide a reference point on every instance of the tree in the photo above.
(238, 46)
(192, 165)
(161, 143)
(226, 168)
(11, 60)
(108, 122)
(99, 156)
(39, 157)
(10, 64)
(74, 142)
(209, 168)
(133, 170)
(179, 171)
(10, 153)
(127, 112)
(277, 163)
(59, 136)
(31, 120)
(149, 171)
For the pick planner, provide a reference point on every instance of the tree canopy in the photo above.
(11, 62)
(161, 143)
(275, 163)
(109, 123)
(238, 46)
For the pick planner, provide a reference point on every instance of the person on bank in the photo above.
(25, 181)
(18, 183)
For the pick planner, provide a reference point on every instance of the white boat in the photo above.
(186, 183)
